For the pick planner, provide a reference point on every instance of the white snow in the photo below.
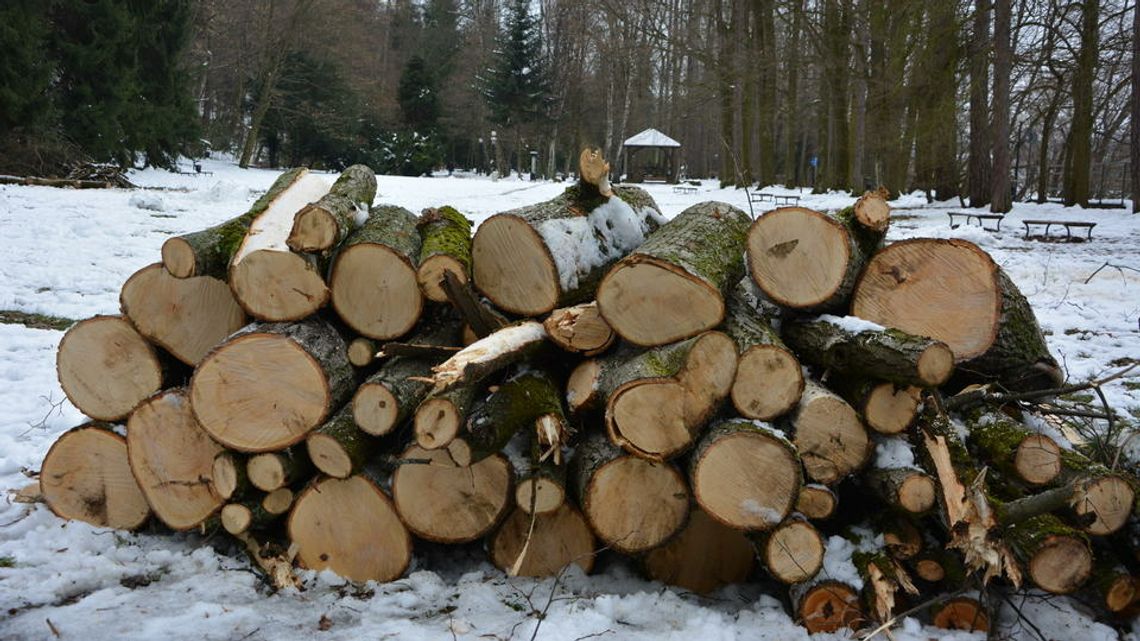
(67, 254)
(752, 507)
(486, 349)
(650, 138)
(147, 200)
(893, 452)
(583, 243)
(852, 324)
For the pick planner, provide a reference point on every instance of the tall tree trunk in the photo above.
(766, 36)
(1003, 60)
(791, 127)
(936, 151)
(1080, 137)
(1134, 153)
(835, 81)
(1043, 153)
(859, 99)
(980, 171)
(725, 74)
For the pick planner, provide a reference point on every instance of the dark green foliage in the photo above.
(419, 95)
(313, 117)
(25, 74)
(516, 88)
(405, 153)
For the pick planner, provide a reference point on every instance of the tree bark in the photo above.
(323, 225)
(1002, 200)
(338, 447)
(1080, 135)
(516, 406)
(769, 378)
(445, 247)
(980, 172)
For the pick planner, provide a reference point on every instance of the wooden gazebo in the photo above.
(658, 163)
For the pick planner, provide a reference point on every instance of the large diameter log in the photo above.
(373, 278)
(106, 368)
(745, 474)
(952, 291)
(209, 252)
(86, 477)
(792, 552)
(350, 527)
(445, 248)
(673, 286)
(852, 346)
(705, 556)
(543, 544)
(323, 225)
(769, 379)
(268, 280)
(886, 408)
(1057, 557)
(338, 447)
(580, 329)
(185, 316)
(172, 459)
(531, 260)
(446, 503)
(827, 433)
(269, 384)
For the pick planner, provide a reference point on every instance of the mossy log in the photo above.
(792, 552)
(580, 329)
(952, 291)
(769, 378)
(517, 405)
(445, 247)
(231, 480)
(1057, 557)
(339, 448)
(323, 225)
(270, 383)
(854, 347)
(828, 435)
(1013, 449)
(673, 286)
(541, 545)
(745, 474)
(373, 277)
(208, 252)
(86, 476)
(704, 556)
(446, 503)
(886, 408)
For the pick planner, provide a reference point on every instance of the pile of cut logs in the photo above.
(330, 381)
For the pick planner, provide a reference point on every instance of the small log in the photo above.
(886, 408)
(229, 476)
(792, 552)
(373, 278)
(185, 316)
(239, 518)
(936, 565)
(769, 378)
(632, 504)
(268, 280)
(964, 613)
(703, 557)
(541, 477)
(580, 330)
(323, 225)
(210, 251)
(445, 248)
(1057, 557)
(349, 526)
(339, 448)
(851, 346)
(745, 475)
(1115, 586)
(673, 286)
(520, 403)
(489, 355)
(439, 418)
(106, 368)
(1014, 449)
(902, 538)
(816, 501)
(826, 606)
(272, 470)
(362, 352)
(270, 383)
(443, 502)
(278, 501)
(871, 213)
(172, 459)
(86, 477)
(830, 438)
(542, 545)
(896, 479)
(73, 183)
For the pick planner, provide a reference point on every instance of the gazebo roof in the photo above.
(651, 138)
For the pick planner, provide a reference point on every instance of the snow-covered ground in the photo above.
(67, 253)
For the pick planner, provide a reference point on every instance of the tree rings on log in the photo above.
(1058, 558)
(828, 606)
(229, 475)
(272, 470)
(86, 477)
(792, 552)
(543, 544)
(445, 248)
(891, 409)
(443, 502)
(106, 368)
(961, 613)
(705, 556)
(1106, 502)
(350, 527)
(323, 225)
(580, 330)
(816, 501)
(829, 436)
(802, 259)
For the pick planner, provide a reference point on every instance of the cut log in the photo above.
(209, 252)
(268, 280)
(273, 470)
(830, 438)
(362, 352)
(673, 286)
(745, 474)
(851, 346)
(106, 368)
(1113, 582)
(229, 475)
(86, 477)
(527, 397)
(185, 316)
(871, 212)
(1057, 557)
(792, 552)
(886, 408)
(543, 544)
(896, 479)
(805, 260)
(172, 459)
(826, 606)
(816, 501)
(439, 418)
(339, 448)
(540, 468)
(443, 502)
(1014, 449)
(938, 566)
(882, 577)
(594, 172)
(533, 259)
(952, 291)
(445, 248)
(705, 556)
(270, 383)
(278, 501)
(350, 527)
(580, 329)
(769, 379)
(239, 518)
(373, 278)
(323, 225)
(902, 538)
(489, 355)
(960, 613)
(632, 504)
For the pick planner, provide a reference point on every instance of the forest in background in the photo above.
(987, 100)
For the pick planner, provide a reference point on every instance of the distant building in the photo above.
(650, 156)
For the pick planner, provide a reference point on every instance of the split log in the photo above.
(272, 470)
(745, 474)
(632, 504)
(323, 225)
(86, 476)
(852, 346)
(896, 479)
(106, 368)
(362, 352)
(964, 613)
(1057, 557)
(886, 408)
(185, 316)
(446, 503)
(580, 329)
(350, 527)
(373, 278)
(270, 383)
(882, 577)
(209, 252)
(439, 418)
(816, 501)
(489, 355)
(172, 459)
(542, 545)
(229, 476)
(828, 435)
(268, 280)
(673, 286)
(952, 291)
(826, 606)
(533, 259)
(792, 552)
(769, 379)
(339, 448)
(523, 402)
(705, 556)
(445, 249)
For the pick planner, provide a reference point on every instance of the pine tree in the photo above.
(25, 71)
(419, 96)
(516, 88)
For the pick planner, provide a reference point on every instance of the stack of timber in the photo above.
(711, 396)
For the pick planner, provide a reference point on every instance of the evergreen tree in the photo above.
(418, 96)
(25, 71)
(441, 38)
(516, 87)
(312, 117)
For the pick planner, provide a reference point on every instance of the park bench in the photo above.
(684, 189)
(1069, 225)
(981, 218)
(777, 199)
